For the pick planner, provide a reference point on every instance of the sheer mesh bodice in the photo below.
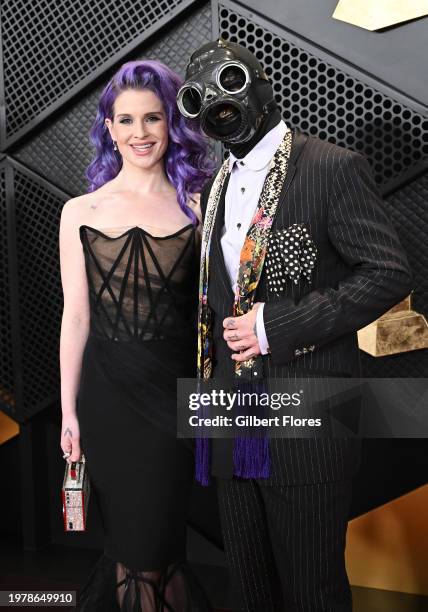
(143, 293)
(141, 287)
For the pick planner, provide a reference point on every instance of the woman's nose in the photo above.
(141, 130)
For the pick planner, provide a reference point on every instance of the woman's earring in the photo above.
(114, 145)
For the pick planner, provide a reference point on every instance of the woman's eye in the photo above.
(125, 120)
(152, 119)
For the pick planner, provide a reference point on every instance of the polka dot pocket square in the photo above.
(291, 254)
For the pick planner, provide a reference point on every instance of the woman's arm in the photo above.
(75, 323)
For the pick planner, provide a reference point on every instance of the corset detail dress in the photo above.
(143, 300)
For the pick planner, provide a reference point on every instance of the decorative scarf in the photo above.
(250, 455)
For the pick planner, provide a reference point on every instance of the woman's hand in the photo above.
(70, 437)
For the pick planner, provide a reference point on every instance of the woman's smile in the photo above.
(143, 149)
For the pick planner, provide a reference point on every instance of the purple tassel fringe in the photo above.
(203, 461)
(250, 458)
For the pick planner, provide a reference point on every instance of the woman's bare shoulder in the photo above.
(75, 205)
(75, 210)
(195, 204)
(195, 198)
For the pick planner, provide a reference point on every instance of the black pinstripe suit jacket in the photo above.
(360, 272)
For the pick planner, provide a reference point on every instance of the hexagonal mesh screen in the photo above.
(49, 47)
(40, 298)
(62, 151)
(7, 399)
(323, 100)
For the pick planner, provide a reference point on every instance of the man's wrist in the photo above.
(260, 328)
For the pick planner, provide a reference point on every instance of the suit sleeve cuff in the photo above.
(261, 333)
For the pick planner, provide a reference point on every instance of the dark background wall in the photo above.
(395, 56)
(362, 90)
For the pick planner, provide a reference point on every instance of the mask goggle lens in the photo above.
(233, 78)
(189, 101)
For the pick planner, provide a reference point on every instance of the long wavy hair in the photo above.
(187, 164)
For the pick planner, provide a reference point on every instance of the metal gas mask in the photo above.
(226, 90)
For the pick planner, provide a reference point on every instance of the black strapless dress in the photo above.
(143, 299)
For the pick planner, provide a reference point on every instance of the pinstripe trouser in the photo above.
(285, 544)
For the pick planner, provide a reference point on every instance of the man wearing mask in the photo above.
(297, 255)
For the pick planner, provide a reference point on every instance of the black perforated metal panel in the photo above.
(50, 49)
(7, 399)
(37, 210)
(62, 151)
(319, 96)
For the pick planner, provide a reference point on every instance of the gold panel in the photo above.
(8, 428)
(399, 330)
(378, 14)
(387, 548)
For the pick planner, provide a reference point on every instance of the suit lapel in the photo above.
(298, 143)
(217, 262)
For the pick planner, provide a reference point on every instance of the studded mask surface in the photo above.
(227, 90)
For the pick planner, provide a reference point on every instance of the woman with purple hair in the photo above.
(129, 268)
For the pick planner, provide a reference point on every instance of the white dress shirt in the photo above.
(242, 196)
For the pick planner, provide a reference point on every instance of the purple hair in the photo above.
(186, 162)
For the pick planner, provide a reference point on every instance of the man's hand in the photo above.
(240, 334)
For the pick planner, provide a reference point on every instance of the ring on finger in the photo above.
(66, 455)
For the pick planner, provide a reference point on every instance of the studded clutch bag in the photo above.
(75, 496)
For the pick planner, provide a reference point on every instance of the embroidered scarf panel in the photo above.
(252, 256)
